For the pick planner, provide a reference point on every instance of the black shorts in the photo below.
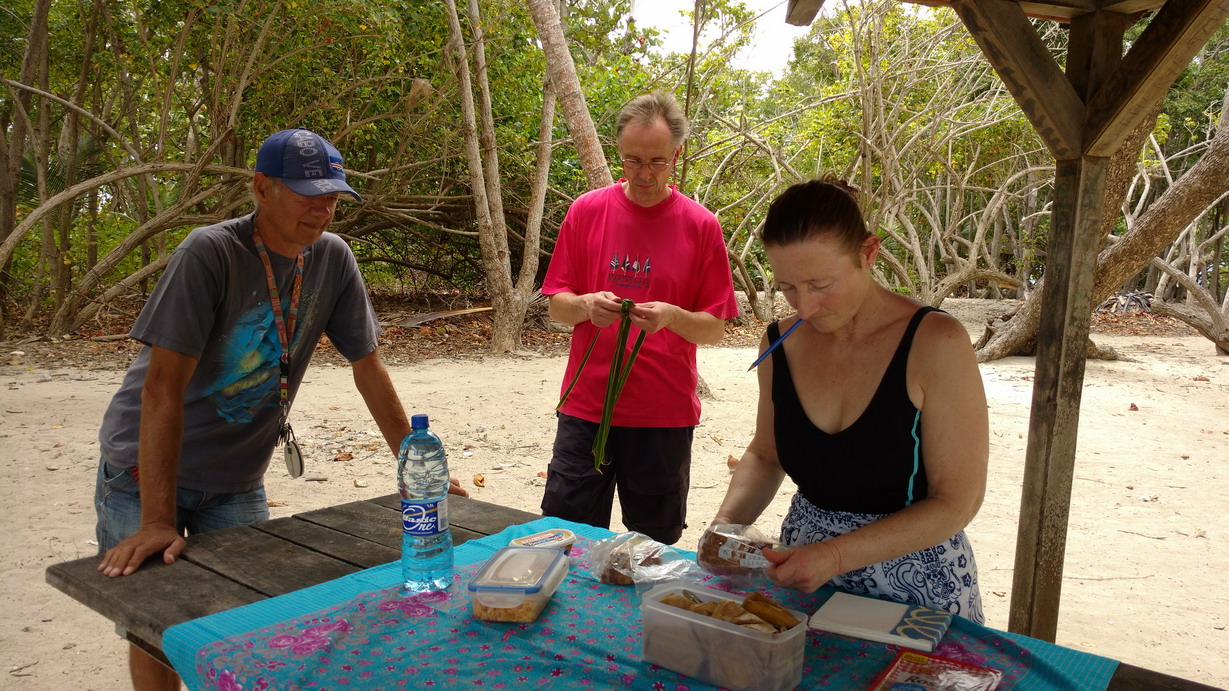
(650, 466)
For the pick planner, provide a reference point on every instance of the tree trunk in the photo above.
(91, 233)
(1189, 196)
(73, 313)
(697, 21)
(69, 151)
(1215, 330)
(1018, 334)
(50, 205)
(562, 72)
(14, 128)
(1212, 320)
(509, 300)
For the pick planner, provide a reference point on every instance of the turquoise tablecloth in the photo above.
(363, 632)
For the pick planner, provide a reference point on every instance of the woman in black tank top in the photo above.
(875, 408)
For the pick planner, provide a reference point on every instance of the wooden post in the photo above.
(1094, 50)
(1082, 115)
(1061, 344)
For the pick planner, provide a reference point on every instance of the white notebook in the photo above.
(906, 625)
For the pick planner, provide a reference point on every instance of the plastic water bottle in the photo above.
(426, 543)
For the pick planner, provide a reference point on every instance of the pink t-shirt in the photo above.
(671, 252)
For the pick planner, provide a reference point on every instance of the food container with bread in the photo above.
(723, 639)
(517, 583)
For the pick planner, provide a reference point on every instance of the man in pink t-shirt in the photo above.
(642, 240)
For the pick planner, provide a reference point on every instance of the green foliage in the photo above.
(1193, 104)
(896, 98)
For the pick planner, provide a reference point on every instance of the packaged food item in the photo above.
(517, 583)
(561, 538)
(638, 560)
(912, 670)
(732, 550)
(713, 650)
(618, 559)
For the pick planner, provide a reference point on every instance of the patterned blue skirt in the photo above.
(943, 576)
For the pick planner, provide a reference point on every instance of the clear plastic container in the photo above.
(516, 583)
(560, 538)
(716, 651)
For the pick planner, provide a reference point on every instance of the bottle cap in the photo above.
(419, 422)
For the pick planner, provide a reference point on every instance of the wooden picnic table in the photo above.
(237, 566)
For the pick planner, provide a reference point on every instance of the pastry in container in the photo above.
(517, 583)
(719, 652)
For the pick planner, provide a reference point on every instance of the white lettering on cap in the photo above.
(325, 185)
(305, 144)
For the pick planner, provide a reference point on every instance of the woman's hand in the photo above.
(804, 568)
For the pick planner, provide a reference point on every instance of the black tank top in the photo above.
(873, 466)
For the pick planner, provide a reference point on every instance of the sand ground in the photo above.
(1144, 578)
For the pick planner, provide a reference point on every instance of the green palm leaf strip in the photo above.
(615, 380)
(580, 369)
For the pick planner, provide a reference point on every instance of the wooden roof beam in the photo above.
(1066, 10)
(1025, 65)
(802, 12)
(1173, 37)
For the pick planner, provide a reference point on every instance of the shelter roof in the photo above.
(802, 12)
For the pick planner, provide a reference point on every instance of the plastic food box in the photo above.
(516, 583)
(716, 651)
(561, 538)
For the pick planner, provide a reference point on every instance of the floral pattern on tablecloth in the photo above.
(588, 637)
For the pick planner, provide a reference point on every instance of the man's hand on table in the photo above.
(126, 557)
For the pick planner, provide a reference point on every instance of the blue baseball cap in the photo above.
(305, 162)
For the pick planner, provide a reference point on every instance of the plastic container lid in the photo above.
(516, 574)
(561, 538)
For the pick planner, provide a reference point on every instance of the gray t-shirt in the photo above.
(212, 304)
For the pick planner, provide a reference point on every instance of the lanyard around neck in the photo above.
(285, 328)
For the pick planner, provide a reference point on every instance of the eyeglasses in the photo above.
(636, 164)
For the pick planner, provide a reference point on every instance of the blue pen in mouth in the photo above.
(774, 345)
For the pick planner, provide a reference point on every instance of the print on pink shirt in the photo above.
(629, 273)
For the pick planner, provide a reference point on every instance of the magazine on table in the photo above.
(916, 671)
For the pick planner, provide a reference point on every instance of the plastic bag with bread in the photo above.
(634, 558)
(729, 549)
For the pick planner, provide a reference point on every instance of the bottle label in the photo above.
(424, 518)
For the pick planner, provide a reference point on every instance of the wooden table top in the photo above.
(237, 566)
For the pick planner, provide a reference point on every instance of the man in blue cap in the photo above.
(228, 333)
